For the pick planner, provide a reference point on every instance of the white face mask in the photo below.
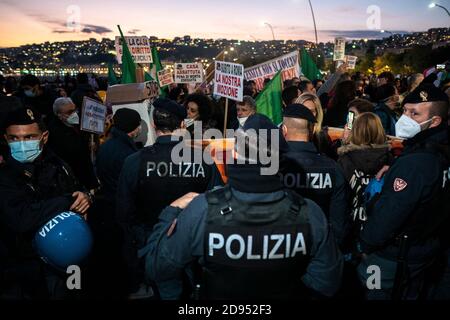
(242, 121)
(73, 119)
(188, 122)
(407, 128)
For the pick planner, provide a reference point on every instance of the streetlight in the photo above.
(433, 4)
(271, 28)
(315, 27)
(314, 21)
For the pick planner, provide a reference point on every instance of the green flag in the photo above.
(156, 65)
(309, 68)
(112, 80)
(128, 66)
(269, 101)
(154, 68)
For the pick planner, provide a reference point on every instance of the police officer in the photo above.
(35, 185)
(313, 175)
(253, 238)
(150, 180)
(401, 233)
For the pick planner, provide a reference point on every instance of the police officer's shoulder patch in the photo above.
(399, 184)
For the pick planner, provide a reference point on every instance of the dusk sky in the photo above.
(26, 22)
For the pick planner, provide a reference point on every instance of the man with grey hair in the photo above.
(69, 143)
(65, 110)
(245, 109)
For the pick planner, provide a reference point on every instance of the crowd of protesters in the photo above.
(130, 204)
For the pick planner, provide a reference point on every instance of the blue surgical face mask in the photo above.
(29, 93)
(25, 151)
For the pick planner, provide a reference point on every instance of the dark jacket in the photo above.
(412, 200)
(141, 197)
(130, 191)
(72, 146)
(172, 251)
(31, 194)
(302, 160)
(359, 164)
(368, 159)
(110, 159)
(388, 118)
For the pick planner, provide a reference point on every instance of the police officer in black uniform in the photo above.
(35, 185)
(253, 237)
(311, 174)
(401, 233)
(151, 179)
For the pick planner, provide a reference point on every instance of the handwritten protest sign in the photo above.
(339, 49)
(165, 78)
(288, 63)
(139, 49)
(351, 61)
(229, 80)
(188, 73)
(93, 116)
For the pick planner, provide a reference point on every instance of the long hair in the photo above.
(345, 92)
(367, 130)
(319, 117)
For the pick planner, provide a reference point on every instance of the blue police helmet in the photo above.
(373, 188)
(64, 240)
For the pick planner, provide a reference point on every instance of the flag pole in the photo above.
(226, 117)
(140, 77)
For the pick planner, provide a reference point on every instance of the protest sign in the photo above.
(351, 61)
(93, 115)
(229, 80)
(165, 78)
(339, 49)
(188, 73)
(139, 49)
(288, 63)
(132, 92)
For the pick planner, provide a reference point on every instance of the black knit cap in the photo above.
(248, 177)
(126, 120)
(425, 93)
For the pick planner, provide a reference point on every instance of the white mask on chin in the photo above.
(242, 121)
